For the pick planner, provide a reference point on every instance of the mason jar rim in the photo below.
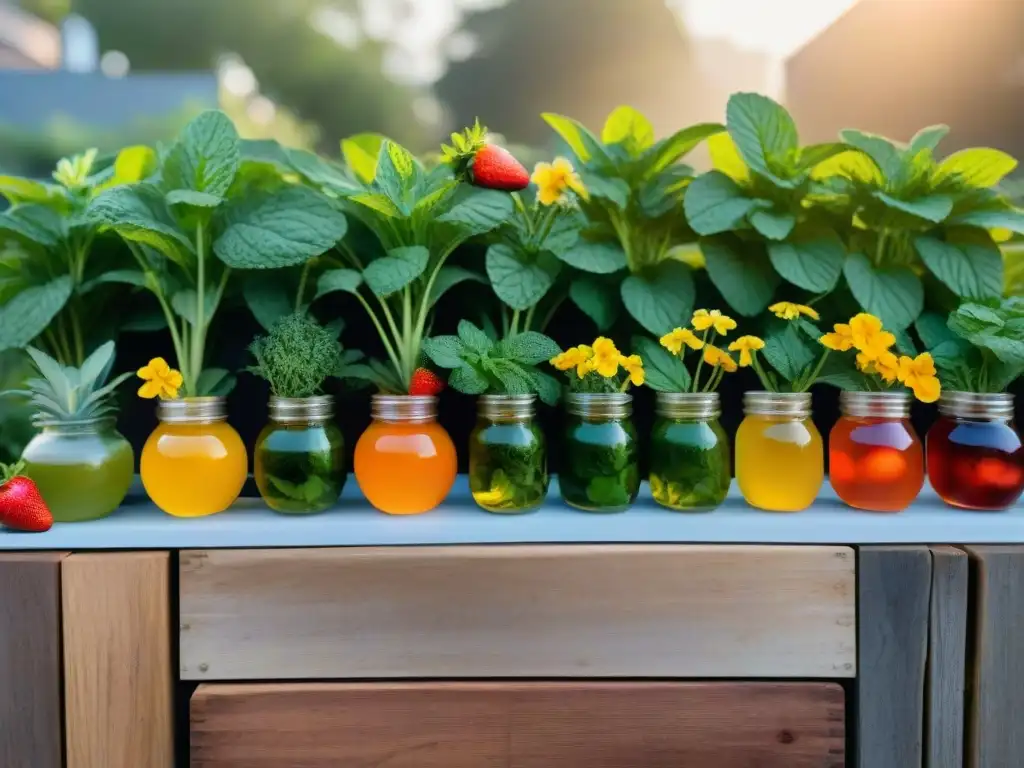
(688, 405)
(299, 410)
(93, 424)
(994, 406)
(884, 405)
(507, 406)
(408, 409)
(789, 404)
(612, 405)
(192, 410)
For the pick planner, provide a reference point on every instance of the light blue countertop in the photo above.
(353, 523)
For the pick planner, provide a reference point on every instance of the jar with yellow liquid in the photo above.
(780, 461)
(194, 463)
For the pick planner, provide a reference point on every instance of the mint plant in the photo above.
(635, 217)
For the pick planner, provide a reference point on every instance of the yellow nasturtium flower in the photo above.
(887, 365)
(787, 310)
(745, 345)
(702, 320)
(606, 358)
(159, 380)
(675, 339)
(919, 374)
(574, 357)
(840, 340)
(634, 366)
(719, 358)
(868, 336)
(554, 179)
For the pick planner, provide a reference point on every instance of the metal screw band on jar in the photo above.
(883, 405)
(983, 406)
(795, 405)
(301, 410)
(192, 410)
(407, 409)
(688, 405)
(507, 407)
(603, 405)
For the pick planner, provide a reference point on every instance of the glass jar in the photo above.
(780, 460)
(690, 462)
(876, 460)
(405, 461)
(508, 460)
(299, 461)
(975, 458)
(83, 469)
(600, 471)
(194, 462)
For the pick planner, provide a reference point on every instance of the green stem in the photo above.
(76, 332)
(714, 380)
(301, 294)
(548, 223)
(199, 331)
(383, 336)
(424, 308)
(62, 336)
(880, 248)
(525, 212)
(550, 314)
(809, 381)
(514, 327)
(179, 348)
(756, 365)
(700, 365)
(51, 340)
(528, 323)
(409, 353)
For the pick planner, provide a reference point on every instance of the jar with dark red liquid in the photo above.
(975, 456)
(876, 460)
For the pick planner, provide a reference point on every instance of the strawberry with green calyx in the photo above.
(483, 164)
(425, 382)
(21, 506)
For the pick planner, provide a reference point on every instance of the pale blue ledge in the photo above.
(353, 523)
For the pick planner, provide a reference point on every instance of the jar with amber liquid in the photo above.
(194, 463)
(975, 456)
(876, 460)
(780, 458)
(405, 461)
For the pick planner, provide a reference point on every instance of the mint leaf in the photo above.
(205, 157)
(679, 144)
(122, 276)
(35, 223)
(547, 387)
(333, 280)
(30, 311)
(975, 168)
(445, 351)
(520, 279)
(476, 211)
(741, 273)
(928, 138)
(933, 208)
(610, 188)
(1008, 218)
(932, 328)
(597, 299)
(664, 372)
(972, 270)
(596, 258)
(392, 182)
(885, 155)
(787, 350)
(893, 294)
(581, 141)
(448, 278)
(139, 213)
(467, 380)
(474, 338)
(529, 348)
(390, 274)
(714, 203)
(193, 198)
(812, 261)
(660, 299)
(512, 377)
(774, 226)
(764, 132)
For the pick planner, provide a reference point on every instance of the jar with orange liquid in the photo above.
(780, 459)
(876, 460)
(194, 463)
(405, 461)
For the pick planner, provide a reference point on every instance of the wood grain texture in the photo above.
(892, 637)
(518, 725)
(117, 659)
(947, 653)
(30, 669)
(518, 611)
(995, 737)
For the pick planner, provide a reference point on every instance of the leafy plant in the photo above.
(298, 356)
(666, 369)
(600, 368)
(636, 222)
(205, 203)
(980, 348)
(51, 287)
(479, 365)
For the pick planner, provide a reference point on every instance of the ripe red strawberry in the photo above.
(21, 506)
(425, 382)
(484, 164)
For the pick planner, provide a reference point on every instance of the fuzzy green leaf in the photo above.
(376, 202)
(398, 269)
(20, 190)
(122, 276)
(514, 379)
(664, 372)
(529, 348)
(744, 277)
(972, 270)
(596, 258)
(547, 387)
(598, 299)
(893, 294)
(661, 299)
(30, 312)
(519, 279)
(812, 261)
(445, 351)
(715, 203)
(206, 155)
(474, 338)
(467, 380)
(763, 130)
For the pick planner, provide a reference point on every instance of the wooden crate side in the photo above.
(947, 654)
(117, 633)
(30, 660)
(892, 640)
(518, 725)
(518, 611)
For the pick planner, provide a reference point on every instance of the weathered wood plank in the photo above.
(892, 637)
(947, 653)
(30, 669)
(518, 725)
(995, 737)
(117, 659)
(518, 611)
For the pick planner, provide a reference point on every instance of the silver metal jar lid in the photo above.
(301, 410)
(883, 405)
(410, 409)
(192, 410)
(984, 406)
(507, 407)
(795, 405)
(688, 405)
(605, 405)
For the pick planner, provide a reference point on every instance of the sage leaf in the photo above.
(972, 270)
(679, 144)
(185, 304)
(626, 126)
(893, 294)
(975, 168)
(475, 339)
(444, 351)
(661, 299)
(529, 348)
(547, 387)
(467, 380)
(392, 273)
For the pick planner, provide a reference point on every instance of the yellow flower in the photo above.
(675, 340)
(919, 374)
(787, 310)
(717, 357)
(634, 366)
(745, 345)
(606, 358)
(160, 380)
(554, 179)
(702, 320)
(887, 366)
(841, 340)
(574, 357)
(868, 337)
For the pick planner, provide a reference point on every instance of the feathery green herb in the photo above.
(296, 357)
